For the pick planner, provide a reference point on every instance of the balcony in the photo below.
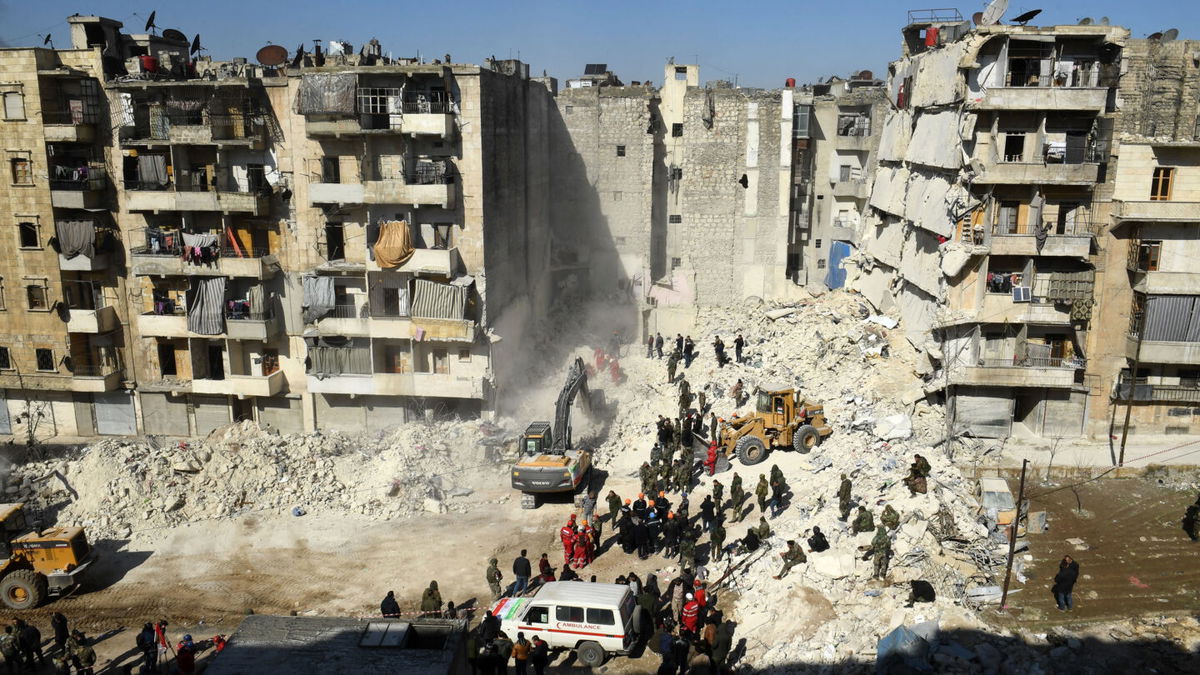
(1050, 373)
(156, 198)
(82, 379)
(1166, 283)
(251, 264)
(442, 262)
(1154, 351)
(70, 132)
(335, 193)
(1159, 393)
(361, 384)
(82, 263)
(1038, 173)
(439, 124)
(1156, 211)
(349, 320)
(241, 385)
(419, 118)
(94, 321)
(853, 189)
(200, 128)
(251, 326)
(390, 326)
(450, 330)
(1044, 98)
(428, 385)
(78, 189)
(1000, 308)
(1060, 245)
(172, 325)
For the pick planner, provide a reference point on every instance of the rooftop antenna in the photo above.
(49, 40)
(1026, 17)
(995, 10)
(150, 24)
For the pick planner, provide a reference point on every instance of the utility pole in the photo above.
(1012, 539)
(1137, 359)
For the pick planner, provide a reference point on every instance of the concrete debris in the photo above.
(885, 321)
(776, 314)
(894, 428)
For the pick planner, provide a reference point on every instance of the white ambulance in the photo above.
(595, 620)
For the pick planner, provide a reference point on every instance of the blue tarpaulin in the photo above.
(835, 277)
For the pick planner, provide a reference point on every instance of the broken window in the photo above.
(331, 170)
(1160, 184)
(441, 364)
(681, 73)
(1014, 147)
(1068, 213)
(22, 171)
(166, 360)
(464, 355)
(1003, 282)
(14, 105)
(45, 360)
(441, 236)
(28, 235)
(1149, 253)
(853, 124)
(35, 294)
(677, 129)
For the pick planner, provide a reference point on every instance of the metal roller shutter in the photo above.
(5, 420)
(85, 421)
(212, 412)
(384, 412)
(115, 413)
(340, 413)
(983, 415)
(1064, 413)
(281, 413)
(164, 415)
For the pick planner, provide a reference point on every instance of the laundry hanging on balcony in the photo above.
(200, 248)
(76, 237)
(432, 300)
(394, 246)
(152, 170)
(330, 356)
(206, 305)
(318, 297)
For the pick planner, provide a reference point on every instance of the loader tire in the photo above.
(23, 589)
(805, 438)
(750, 450)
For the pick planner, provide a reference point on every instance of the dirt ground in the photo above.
(1137, 559)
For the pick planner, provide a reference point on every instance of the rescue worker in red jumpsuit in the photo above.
(589, 537)
(690, 617)
(568, 538)
(710, 462)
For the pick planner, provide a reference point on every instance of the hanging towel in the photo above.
(206, 305)
(394, 246)
(257, 298)
(76, 237)
(318, 297)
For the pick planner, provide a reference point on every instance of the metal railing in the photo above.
(244, 251)
(147, 185)
(349, 311)
(936, 15)
(176, 309)
(233, 314)
(427, 107)
(1035, 362)
(1156, 393)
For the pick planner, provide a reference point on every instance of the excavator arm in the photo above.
(576, 383)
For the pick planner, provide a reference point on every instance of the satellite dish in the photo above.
(272, 55)
(1085, 21)
(1154, 36)
(866, 75)
(172, 34)
(195, 43)
(296, 60)
(1025, 18)
(1170, 34)
(48, 41)
(1104, 21)
(994, 11)
(977, 17)
(150, 22)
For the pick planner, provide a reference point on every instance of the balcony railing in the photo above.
(938, 15)
(245, 252)
(427, 107)
(1158, 393)
(235, 314)
(349, 311)
(1034, 362)
(147, 185)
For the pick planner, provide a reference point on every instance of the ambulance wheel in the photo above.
(590, 654)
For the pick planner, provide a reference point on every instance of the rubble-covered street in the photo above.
(249, 520)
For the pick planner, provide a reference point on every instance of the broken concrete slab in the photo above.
(894, 428)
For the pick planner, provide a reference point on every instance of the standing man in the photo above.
(567, 534)
(843, 495)
(61, 634)
(520, 654)
(1064, 583)
(737, 495)
(881, 548)
(431, 600)
(539, 658)
(493, 577)
(717, 539)
(718, 495)
(738, 343)
(658, 343)
(522, 571)
(649, 346)
(672, 364)
(707, 513)
(614, 505)
(589, 505)
(760, 491)
(689, 351)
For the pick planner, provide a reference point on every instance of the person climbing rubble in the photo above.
(719, 351)
(794, 555)
(881, 552)
(658, 344)
(672, 364)
(737, 391)
(689, 351)
(863, 521)
(843, 495)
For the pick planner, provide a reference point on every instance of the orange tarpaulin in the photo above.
(394, 246)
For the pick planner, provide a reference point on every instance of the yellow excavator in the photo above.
(39, 563)
(549, 462)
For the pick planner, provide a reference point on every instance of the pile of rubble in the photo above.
(117, 487)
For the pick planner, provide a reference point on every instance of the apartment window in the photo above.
(441, 236)
(27, 235)
(464, 355)
(681, 73)
(818, 244)
(22, 171)
(166, 360)
(5, 359)
(1160, 185)
(270, 361)
(677, 129)
(1009, 212)
(1189, 378)
(1149, 253)
(1014, 147)
(441, 362)
(35, 295)
(570, 109)
(675, 219)
(620, 151)
(45, 360)
(676, 263)
(820, 263)
(844, 172)
(14, 105)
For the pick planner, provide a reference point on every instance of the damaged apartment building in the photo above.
(993, 183)
(663, 176)
(331, 240)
